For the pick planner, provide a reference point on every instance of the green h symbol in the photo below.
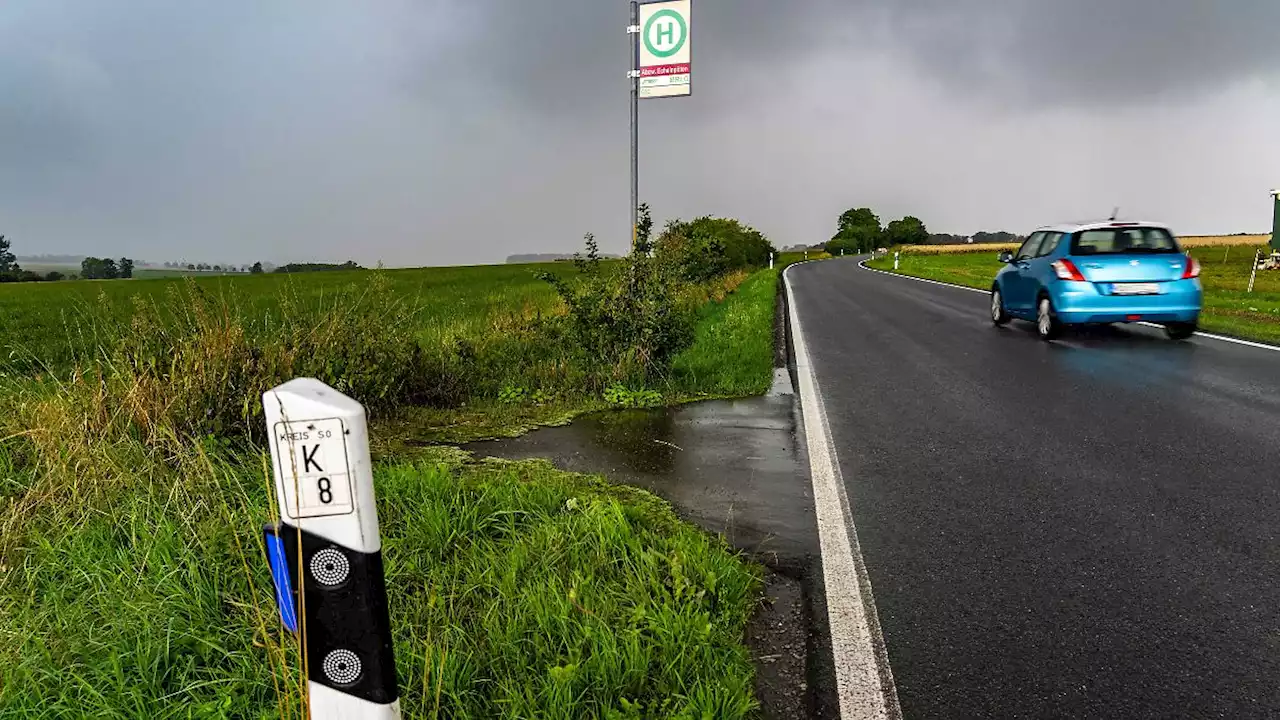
(666, 30)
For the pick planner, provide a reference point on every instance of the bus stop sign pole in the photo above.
(325, 554)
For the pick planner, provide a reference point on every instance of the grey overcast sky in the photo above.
(429, 132)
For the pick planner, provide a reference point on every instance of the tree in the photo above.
(858, 230)
(53, 276)
(256, 269)
(907, 231)
(996, 237)
(92, 268)
(191, 266)
(126, 268)
(863, 218)
(707, 247)
(8, 261)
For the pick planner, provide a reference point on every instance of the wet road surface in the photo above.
(1080, 529)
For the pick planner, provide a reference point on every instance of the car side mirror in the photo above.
(1005, 256)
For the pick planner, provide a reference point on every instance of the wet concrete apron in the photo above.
(734, 468)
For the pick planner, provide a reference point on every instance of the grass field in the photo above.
(131, 575)
(47, 326)
(1228, 309)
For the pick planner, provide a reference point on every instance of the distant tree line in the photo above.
(223, 268)
(526, 258)
(92, 268)
(317, 267)
(977, 238)
(10, 271)
(858, 230)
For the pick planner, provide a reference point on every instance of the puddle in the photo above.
(730, 466)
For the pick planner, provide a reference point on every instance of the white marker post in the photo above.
(770, 261)
(895, 261)
(328, 535)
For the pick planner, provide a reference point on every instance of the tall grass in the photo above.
(732, 352)
(517, 590)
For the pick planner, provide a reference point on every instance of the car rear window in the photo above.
(1122, 240)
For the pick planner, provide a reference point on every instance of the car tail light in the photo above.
(1192, 270)
(1067, 270)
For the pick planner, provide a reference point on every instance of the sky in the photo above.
(441, 132)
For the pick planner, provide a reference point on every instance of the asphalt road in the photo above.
(1089, 528)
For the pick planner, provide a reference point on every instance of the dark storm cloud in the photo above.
(1076, 51)
(1052, 51)
(542, 52)
(443, 131)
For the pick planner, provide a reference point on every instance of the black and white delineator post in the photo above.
(325, 554)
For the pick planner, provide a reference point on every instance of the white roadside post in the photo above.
(770, 261)
(895, 261)
(328, 537)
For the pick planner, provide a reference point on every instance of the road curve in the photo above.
(1089, 528)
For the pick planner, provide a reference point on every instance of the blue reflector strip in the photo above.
(280, 574)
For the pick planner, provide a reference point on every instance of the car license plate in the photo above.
(1135, 289)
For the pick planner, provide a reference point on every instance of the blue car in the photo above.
(1108, 272)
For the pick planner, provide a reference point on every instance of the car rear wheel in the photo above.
(1180, 331)
(999, 315)
(1047, 325)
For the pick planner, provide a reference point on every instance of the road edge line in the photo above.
(864, 680)
(1210, 336)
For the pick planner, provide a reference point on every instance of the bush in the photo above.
(18, 275)
(628, 324)
(708, 247)
(845, 246)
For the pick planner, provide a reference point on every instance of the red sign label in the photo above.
(656, 70)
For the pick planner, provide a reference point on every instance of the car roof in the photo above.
(1099, 225)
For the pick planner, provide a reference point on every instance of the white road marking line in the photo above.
(1224, 338)
(1211, 336)
(864, 684)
